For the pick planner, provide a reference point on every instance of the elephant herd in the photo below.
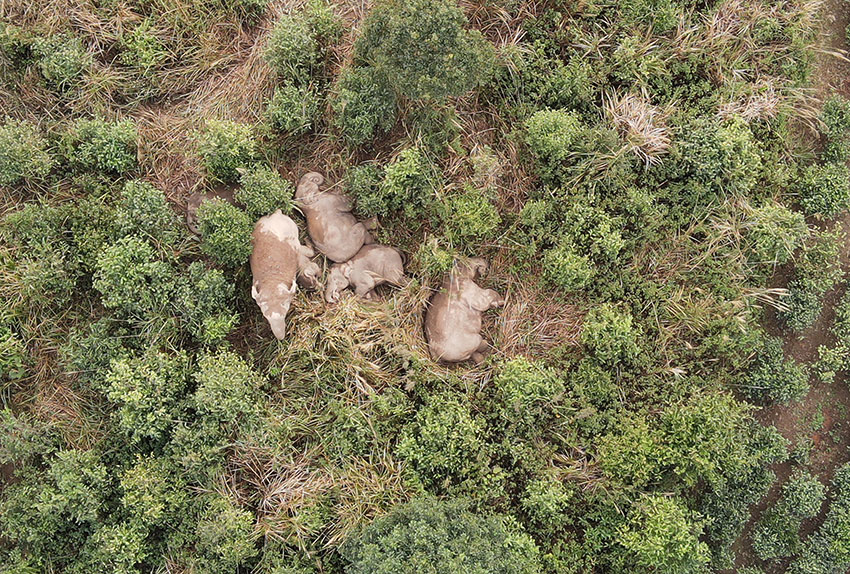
(280, 263)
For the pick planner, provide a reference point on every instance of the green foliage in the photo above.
(611, 336)
(364, 105)
(773, 378)
(565, 268)
(469, 216)
(660, 15)
(152, 494)
(100, 145)
(775, 535)
(263, 190)
(23, 153)
(142, 50)
(225, 232)
(554, 138)
(293, 110)
(292, 50)
(144, 211)
(224, 147)
(226, 536)
(429, 535)
(15, 44)
(423, 48)
(409, 186)
(62, 61)
(663, 535)
(547, 502)
(528, 390)
(131, 280)
(90, 350)
(443, 442)
(364, 185)
(204, 299)
(630, 456)
(835, 116)
(774, 232)
(149, 393)
(227, 388)
(824, 189)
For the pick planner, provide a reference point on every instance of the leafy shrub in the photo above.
(775, 535)
(14, 358)
(226, 536)
(204, 300)
(227, 388)
(565, 268)
(547, 502)
(408, 186)
(663, 535)
(610, 335)
(142, 50)
(528, 390)
(442, 442)
(774, 232)
(554, 138)
(774, 378)
(100, 145)
(292, 50)
(293, 110)
(825, 189)
(224, 147)
(660, 15)
(61, 61)
(263, 190)
(429, 535)
(144, 211)
(423, 48)
(152, 493)
(469, 216)
(225, 232)
(433, 259)
(23, 153)
(15, 44)
(629, 456)
(91, 349)
(132, 280)
(47, 276)
(149, 392)
(364, 105)
(835, 116)
(363, 183)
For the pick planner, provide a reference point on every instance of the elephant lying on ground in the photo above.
(453, 317)
(372, 266)
(332, 227)
(277, 260)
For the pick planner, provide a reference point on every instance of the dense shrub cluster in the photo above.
(775, 535)
(225, 232)
(773, 378)
(293, 110)
(263, 190)
(224, 147)
(23, 153)
(364, 105)
(100, 145)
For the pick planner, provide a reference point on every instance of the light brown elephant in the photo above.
(372, 266)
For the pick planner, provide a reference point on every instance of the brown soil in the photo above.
(821, 416)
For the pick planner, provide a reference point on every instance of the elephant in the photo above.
(372, 266)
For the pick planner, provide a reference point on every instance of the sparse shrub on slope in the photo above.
(775, 535)
(428, 535)
(23, 153)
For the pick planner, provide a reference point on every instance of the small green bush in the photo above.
(554, 138)
(90, 350)
(442, 442)
(226, 536)
(204, 299)
(774, 232)
(15, 44)
(423, 48)
(23, 153)
(292, 50)
(227, 388)
(630, 454)
(364, 185)
(142, 50)
(225, 232)
(293, 110)
(224, 147)
(409, 185)
(61, 61)
(565, 268)
(152, 493)
(149, 393)
(364, 105)
(144, 211)
(263, 190)
(776, 534)
(132, 280)
(99, 145)
(528, 390)
(775, 379)
(14, 358)
(428, 535)
(469, 216)
(836, 129)
(660, 15)
(611, 335)
(433, 258)
(825, 189)
(547, 502)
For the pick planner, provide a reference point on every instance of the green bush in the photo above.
(547, 503)
(144, 211)
(227, 388)
(409, 186)
(293, 110)
(90, 350)
(61, 61)
(660, 15)
(555, 139)
(423, 48)
(263, 190)
(442, 442)
(99, 145)
(469, 216)
(142, 50)
(528, 390)
(825, 189)
(152, 494)
(565, 268)
(224, 147)
(15, 44)
(775, 535)
(23, 153)
(835, 116)
(428, 535)
(225, 232)
(774, 378)
(226, 536)
(611, 335)
(363, 183)
(148, 392)
(774, 232)
(364, 105)
(630, 455)
(292, 50)
(663, 536)
(130, 279)
(204, 299)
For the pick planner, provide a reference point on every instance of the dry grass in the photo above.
(641, 125)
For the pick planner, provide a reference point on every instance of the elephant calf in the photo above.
(453, 318)
(372, 266)
(277, 260)
(332, 227)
